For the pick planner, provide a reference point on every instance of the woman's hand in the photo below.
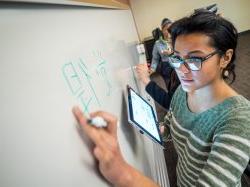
(167, 52)
(107, 151)
(143, 73)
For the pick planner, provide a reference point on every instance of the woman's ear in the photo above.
(226, 58)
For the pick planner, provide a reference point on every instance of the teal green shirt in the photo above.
(213, 146)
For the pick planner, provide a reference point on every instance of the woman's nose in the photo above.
(184, 68)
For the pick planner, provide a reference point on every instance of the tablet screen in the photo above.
(141, 114)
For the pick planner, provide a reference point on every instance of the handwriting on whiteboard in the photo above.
(80, 77)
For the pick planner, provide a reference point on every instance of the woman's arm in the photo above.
(159, 95)
(156, 92)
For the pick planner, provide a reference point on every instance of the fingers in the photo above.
(106, 149)
(98, 135)
(142, 70)
(162, 129)
(110, 119)
(111, 146)
(102, 155)
(98, 153)
(142, 67)
(79, 116)
(105, 156)
(95, 134)
(143, 73)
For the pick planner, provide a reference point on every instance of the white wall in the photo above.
(149, 13)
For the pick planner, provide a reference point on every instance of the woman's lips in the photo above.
(186, 81)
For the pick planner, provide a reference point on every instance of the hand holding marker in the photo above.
(97, 122)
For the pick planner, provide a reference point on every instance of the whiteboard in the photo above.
(52, 58)
(95, 3)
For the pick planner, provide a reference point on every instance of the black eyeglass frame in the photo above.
(183, 61)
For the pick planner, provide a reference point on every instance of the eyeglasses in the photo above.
(192, 63)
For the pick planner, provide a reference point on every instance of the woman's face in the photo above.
(197, 45)
(165, 32)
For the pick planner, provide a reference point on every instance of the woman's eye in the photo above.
(177, 57)
(194, 59)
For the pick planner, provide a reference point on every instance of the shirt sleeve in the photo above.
(155, 57)
(229, 154)
(159, 95)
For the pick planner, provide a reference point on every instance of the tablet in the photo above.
(141, 115)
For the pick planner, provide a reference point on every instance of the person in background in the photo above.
(209, 120)
(162, 48)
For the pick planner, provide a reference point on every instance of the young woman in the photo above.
(210, 122)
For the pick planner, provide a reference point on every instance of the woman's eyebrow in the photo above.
(195, 51)
(191, 52)
(176, 52)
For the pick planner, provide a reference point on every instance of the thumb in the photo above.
(162, 129)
